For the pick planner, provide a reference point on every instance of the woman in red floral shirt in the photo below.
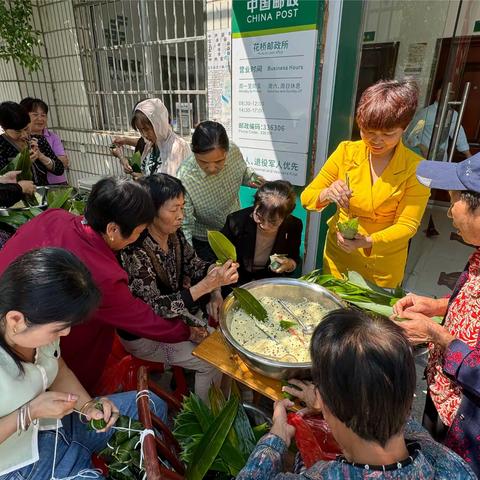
(452, 412)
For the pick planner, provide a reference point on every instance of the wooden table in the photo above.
(215, 350)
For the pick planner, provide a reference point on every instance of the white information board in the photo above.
(272, 88)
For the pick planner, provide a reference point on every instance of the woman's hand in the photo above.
(110, 413)
(52, 405)
(119, 140)
(10, 177)
(286, 265)
(34, 150)
(136, 175)
(421, 329)
(127, 168)
(280, 426)
(215, 304)
(218, 276)
(305, 392)
(338, 192)
(418, 304)
(28, 187)
(198, 334)
(349, 246)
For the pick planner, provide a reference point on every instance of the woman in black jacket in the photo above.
(266, 229)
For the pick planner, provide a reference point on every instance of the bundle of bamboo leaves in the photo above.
(122, 453)
(218, 438)
(356, 290)
(64, 198)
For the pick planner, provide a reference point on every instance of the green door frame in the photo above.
(347, 40)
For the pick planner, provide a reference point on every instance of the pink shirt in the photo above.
(56, 144)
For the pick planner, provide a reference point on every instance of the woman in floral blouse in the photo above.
(452, 410)
(164, 271)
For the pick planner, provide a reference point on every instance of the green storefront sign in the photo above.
(260, 17)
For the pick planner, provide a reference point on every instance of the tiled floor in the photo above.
(430, 256)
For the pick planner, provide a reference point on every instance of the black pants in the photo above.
(432, 422)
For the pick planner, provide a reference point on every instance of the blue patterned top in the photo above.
(432, 461)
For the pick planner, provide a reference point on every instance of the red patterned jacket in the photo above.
(462, 364)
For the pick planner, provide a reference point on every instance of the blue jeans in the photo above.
(76, 443)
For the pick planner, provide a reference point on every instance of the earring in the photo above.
(111, 239)
(14, 330)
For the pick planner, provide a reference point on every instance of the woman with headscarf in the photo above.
(164, 150)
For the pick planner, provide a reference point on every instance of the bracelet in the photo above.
(24, 418)
(87, 404)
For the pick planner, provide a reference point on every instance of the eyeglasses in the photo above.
(263, 221)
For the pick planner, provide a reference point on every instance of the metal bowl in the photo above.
(4, 211)
(286, 289)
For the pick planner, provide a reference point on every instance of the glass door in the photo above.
(436, 44)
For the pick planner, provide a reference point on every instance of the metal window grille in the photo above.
(136, 49)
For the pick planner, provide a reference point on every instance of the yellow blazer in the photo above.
(390, 211)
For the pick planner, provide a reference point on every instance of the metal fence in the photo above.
(135, 49)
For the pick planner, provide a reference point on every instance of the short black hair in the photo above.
(13, 116)
(471, 198)
(118, 200)
(209, 135)
(33, 104)
(275, 200)
(162, 187)
(46, 285)
(364, 370)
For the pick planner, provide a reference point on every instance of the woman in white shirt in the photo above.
(42, 294)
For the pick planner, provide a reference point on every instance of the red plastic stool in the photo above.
(121, 373)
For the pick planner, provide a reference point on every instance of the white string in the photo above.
(96, 473)
(85, 473)
(143, 435)
(146, 393)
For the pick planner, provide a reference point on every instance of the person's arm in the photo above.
(310, 197)
(189, 218)
(462, 143)
(266, 460)
(143, 285)
(462, 363)
(408, 216)
(48, 157)
(58, 148)
(295, 240)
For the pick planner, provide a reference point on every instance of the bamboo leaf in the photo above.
(242, 426)
(57, 198)
(286, 324)
(206, 451)
(136, 162)
(24, 164)
(250, 304)
(221, 246)
(349, 228)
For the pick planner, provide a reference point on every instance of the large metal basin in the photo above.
(288, 289)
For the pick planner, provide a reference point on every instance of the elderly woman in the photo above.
(363, 382)
(117, 212)
(374, 180)
(164, 271)
(164, 150)
(212, 177)
(452, 411)
(38, 111)
(43, 294)
(265, 229)
(15, 121)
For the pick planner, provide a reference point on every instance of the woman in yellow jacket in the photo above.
(374, 180)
